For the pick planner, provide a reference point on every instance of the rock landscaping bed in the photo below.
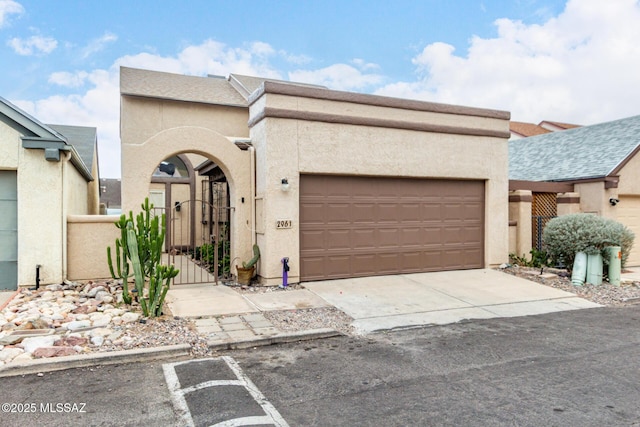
(77, 318)
(605, 294)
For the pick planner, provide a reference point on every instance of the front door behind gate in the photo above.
(197, 242)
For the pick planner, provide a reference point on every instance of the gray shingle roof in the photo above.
(82, 138)
(581, 153)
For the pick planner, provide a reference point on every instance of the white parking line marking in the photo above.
(182, 408)
(179, 402)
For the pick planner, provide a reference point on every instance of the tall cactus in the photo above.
(122, 254)
(140, 244)
(138, 273)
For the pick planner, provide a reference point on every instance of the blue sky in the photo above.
(574, 61)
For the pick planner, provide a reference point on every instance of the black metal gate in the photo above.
(197, 242)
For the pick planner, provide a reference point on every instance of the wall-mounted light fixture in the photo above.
(284, 184)
(177, 205)
(613, 201)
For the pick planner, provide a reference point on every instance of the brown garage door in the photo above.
(365, 226)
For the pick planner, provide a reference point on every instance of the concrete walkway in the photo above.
(375, 303)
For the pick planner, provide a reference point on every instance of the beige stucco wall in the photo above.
(289, 147)
(9, 143)
(47, 192)
(152, 130)
(40, 214)
(594, 198)
(565, 208)
(629, 178)
(88, 237)
(520, 212)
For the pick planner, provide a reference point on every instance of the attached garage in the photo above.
(8, 230)
(354, 226)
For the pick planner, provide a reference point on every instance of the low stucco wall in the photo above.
(88, 237)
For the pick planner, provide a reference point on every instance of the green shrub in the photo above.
(206, 255)
(565, 235)
(538, 259)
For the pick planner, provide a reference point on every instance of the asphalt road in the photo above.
(578, 368)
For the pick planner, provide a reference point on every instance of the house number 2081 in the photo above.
(284, 223)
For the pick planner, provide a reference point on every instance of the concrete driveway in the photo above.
(399, 301)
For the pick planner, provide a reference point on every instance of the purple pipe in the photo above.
(285, 271)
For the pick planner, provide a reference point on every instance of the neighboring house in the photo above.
(342, 184)
(47, 172)
(525, 130)
(110, 195)
(597, 165)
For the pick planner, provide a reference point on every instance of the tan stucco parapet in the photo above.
(372, 121)
(292, 89)
(155, 84)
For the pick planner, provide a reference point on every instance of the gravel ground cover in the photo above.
(90, 317)
(605, 294)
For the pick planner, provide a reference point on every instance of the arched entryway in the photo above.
(193, 192)
(194, 158)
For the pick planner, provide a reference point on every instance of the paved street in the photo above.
(566, 369)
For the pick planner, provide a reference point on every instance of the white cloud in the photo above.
(294, 59)
(580, 66)
(98, 107)
(32, 45)
(364, 65)
(338, 77)
(96, 45)
(66, 79)
(9, 7)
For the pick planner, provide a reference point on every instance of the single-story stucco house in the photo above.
(47, 172)
(594, 169)
(342, 184)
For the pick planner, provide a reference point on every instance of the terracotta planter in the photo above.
(245, 274)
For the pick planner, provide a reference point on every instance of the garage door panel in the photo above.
(313, 213)
(388, 263)
(409, 212)
(376, 226)
(337, 265)
(338, 239)
(312, 240)
(9, 246)
(363, 238)
(8, 214)
(313, 266)
(431, 212)
(411, 237)
(363, 213)
(337, 213)
(411, 261)
(364, 265)
(8, 230)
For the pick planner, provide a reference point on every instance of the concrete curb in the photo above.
(84, 360)
(150, 354)
(6, 303)
(277, 339)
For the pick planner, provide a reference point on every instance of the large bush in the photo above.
(565, 235)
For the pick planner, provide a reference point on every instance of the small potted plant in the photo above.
(246, 272)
